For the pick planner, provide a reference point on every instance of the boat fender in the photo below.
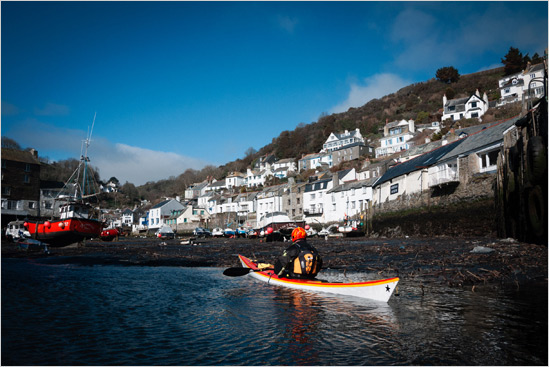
(537, 215)
(513, 158)
(537, 159)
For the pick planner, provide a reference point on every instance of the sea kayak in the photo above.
(379, 290)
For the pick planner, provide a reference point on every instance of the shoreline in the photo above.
(452, 261)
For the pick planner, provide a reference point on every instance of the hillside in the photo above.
(421, 102)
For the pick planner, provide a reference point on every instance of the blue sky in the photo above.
(180, 85)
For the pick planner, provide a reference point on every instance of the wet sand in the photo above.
(445, 260)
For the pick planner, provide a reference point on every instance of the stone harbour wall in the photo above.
(453, 210)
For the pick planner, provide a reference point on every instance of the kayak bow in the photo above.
(379, 290)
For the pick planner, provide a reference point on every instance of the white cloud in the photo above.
(125, 162)
(139, 165)
(373, 87)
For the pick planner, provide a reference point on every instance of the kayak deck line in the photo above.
(380, 290)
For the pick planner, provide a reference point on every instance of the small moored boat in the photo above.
(379, 290)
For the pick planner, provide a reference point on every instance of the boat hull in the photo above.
(60, 233)
(378, 290)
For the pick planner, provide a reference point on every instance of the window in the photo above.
(6, 190)
(507, 90)
(473, 104)
(475, 114)
(488, 160)
(32, 204)
(27, 167)
(26, 179)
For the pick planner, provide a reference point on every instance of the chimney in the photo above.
(34, 153)
(335, 180)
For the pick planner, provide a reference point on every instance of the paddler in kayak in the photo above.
(300, 260)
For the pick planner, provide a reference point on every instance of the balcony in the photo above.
(442, 177)
(313, 211)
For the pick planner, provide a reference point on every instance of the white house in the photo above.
(469, 107)
(477, 153)
(269, 201)
(127, 217)
(452, 163)
(314, 160)
(235, 179)
(254, 178)
(283, 167)
(217, 186)
(347, 200)
(162, 211)
(338, 140)
(195, 190)
(515, 87)
(313, 200)
(395, 138)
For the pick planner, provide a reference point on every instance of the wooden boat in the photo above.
(74, 223)
(378, 290)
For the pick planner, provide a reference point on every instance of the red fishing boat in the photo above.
(73, 226)
(74, 222)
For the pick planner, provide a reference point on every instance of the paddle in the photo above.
(237, 272)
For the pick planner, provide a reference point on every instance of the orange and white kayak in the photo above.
(378, 290)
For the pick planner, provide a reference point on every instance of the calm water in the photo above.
(114, 315)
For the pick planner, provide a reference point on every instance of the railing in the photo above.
(443, 177)
(313, 211)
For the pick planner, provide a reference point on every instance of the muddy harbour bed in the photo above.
(455, 262)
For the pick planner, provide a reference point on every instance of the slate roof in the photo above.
(359, 143)
(219, 183)
(161, 204)
(322, 184)
(481, 139)
(343, 135)
(353, 185)
(424, 160)
(485, 137)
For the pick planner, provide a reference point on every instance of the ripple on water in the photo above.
(71, 315)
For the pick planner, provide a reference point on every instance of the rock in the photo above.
(482, 250)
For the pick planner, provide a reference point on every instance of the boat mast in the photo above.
(86, 159)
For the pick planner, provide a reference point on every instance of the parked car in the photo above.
(252, 233)
(16, 230)
(165, 233)
(201, 232)
(328, 231)
(217, 232)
